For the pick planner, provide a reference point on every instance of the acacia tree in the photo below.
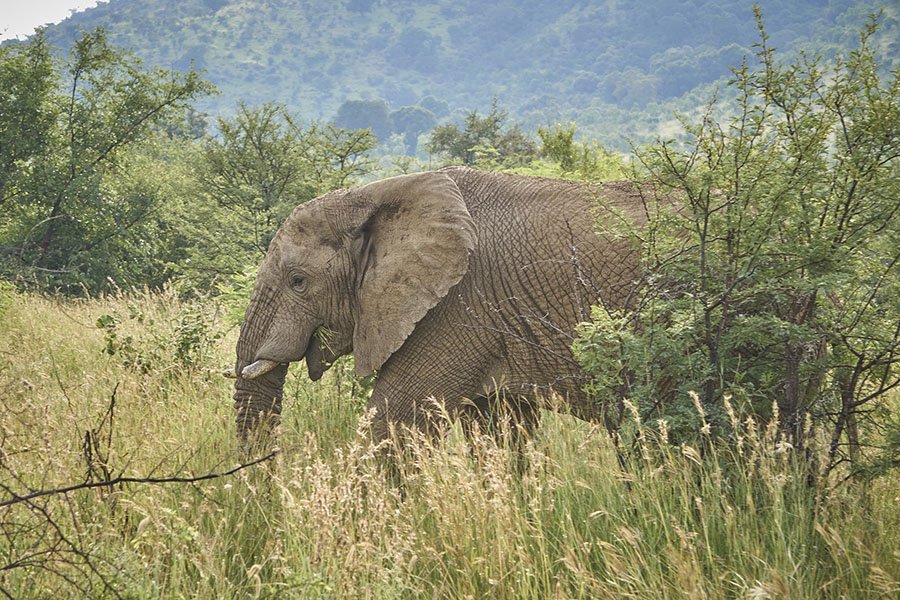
(483, 140)
(70, 225)
(775, 279)
(262, 163)
(333, 157)
(252, 167)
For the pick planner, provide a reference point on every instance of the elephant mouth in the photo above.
(315, 358)
(318, 360)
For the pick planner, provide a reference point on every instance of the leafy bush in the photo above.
(772, 263)
(185, 342)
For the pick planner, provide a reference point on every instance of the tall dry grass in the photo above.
(322, 521)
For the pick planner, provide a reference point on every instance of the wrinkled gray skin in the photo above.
(452, 285)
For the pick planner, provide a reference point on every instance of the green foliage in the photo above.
(234, 295)
(587, 162)
(106, 184)
(27, 81)
(334, 157)
(201, 212)
(253, 168)
(483, 141)
(78, 215)
(183, 343)
(772, 265)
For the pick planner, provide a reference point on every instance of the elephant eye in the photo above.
(297, 281)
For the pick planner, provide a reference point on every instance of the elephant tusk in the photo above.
(260, 367)
(229, 374)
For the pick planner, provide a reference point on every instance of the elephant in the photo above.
(452, 286)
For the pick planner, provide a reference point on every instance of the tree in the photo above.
(262, 164)
(334, 157)
(253, 168)
(365, 114)
(483, 137)
(412, 121)
(775, 278)
(71, 224)
(27, 80)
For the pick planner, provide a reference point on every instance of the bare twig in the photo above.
(16, 499)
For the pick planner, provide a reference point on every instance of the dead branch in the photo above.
(16, 498)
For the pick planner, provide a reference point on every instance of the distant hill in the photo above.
(601, 63)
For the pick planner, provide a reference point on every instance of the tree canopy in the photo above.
(107, 178)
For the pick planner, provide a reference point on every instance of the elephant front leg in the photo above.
(420, 392)
(399, 422)
(398, 429)
(399, 425)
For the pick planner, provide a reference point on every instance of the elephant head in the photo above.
(352, 271)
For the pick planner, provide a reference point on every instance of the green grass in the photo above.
(321, 521)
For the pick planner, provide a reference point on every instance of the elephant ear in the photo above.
(416, 238)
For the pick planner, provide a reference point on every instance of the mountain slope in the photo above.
(543, 59)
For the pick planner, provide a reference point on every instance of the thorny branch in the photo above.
(16, 498)
(50, 548)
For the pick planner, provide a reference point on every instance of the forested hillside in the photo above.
(605, 64)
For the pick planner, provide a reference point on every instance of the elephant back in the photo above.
(570, 241)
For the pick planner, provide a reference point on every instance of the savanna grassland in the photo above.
(129, 385)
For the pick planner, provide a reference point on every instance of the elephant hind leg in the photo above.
(510, 421)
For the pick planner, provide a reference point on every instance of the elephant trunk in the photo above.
(257, 402)
(258, 386)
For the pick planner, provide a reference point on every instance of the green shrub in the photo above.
(186, 341)
(772, 259)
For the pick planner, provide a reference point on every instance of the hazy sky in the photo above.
(18, 18)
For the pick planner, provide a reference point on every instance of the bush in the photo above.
(157, 345)
(772, 262)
